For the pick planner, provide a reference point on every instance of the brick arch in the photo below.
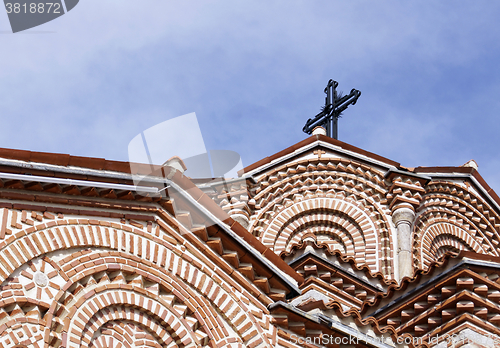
(327, 171)
(435, 213)
(322, 228)
(235, 345)
(124, 331)
(64, 234)
(325, 184)
(361, 227)
(461, 204)
(316, 223)
(104, 340)
(332, 178)
(122, 263)
(157, 321)
(444, 243)
(99, 308)
(180, 285)
(441, 234)
(9, 332)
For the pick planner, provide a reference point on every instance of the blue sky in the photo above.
(88, 82)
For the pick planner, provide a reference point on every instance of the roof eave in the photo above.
(310, 143)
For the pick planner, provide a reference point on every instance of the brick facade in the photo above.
(301, 250)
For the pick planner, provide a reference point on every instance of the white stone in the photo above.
(41, 279)
(319, 131)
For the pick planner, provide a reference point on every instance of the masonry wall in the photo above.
(77, 280)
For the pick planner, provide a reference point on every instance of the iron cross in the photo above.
(335, 103)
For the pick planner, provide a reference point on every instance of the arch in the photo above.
(136, 315)
(316, 224)
(327, 177)
(178, 288)
(111, 333)
(322, 174)
(9, 332)
(322, 234)
(132, 246)
(444, 234)
(452, 201)
(445, 243)
(356, 225)
(133, 293)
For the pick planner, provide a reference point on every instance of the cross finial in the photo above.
(335, 103)
(319, 152)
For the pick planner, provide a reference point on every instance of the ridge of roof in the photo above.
(65, 160)
(311, 140)
(329, 263)
(371, 320)
(97, 163)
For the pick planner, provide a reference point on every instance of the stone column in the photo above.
(403, 219)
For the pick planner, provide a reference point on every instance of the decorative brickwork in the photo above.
(466, 297)
(334, 194)
(322, 244)
(345, 220)
(96, 275)
(451, 217)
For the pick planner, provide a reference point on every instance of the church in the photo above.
(320, 245)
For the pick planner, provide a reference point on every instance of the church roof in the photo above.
(307, 231)
(342, 148)
(311, 142)
(29, 162)
(32, 178)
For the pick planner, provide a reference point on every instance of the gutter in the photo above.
(86, 183)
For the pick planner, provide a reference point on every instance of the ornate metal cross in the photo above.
(335, 103)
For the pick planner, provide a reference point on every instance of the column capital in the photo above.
(403, 214)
